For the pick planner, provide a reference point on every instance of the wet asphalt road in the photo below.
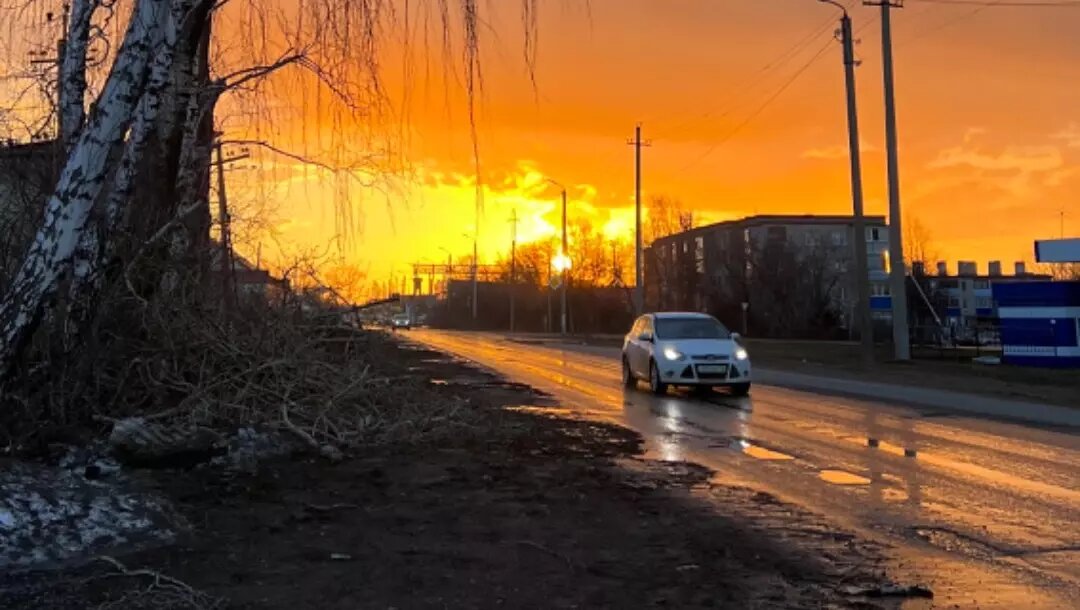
(986, 513)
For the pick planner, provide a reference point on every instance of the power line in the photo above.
(761, 108)
(951, 22)
(756, 78)
(776, 94)
(1009, 3)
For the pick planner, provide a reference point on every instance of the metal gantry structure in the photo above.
(445, 272)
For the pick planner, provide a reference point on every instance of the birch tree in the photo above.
(131, 203)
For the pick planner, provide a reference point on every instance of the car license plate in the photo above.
(712, 369)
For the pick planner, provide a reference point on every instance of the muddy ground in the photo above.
(531, 510)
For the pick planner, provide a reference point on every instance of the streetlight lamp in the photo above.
(562, 261)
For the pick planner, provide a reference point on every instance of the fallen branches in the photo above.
(162, 591)
(179, 369)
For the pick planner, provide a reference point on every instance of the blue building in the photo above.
(1040, 323)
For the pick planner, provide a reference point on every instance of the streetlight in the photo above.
(862, 271)
(562, 261)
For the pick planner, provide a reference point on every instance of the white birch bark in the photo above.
(80, 184)
(94, 247)
(72, 94)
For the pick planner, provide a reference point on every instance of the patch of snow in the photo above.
(51, 516)
(249, 446)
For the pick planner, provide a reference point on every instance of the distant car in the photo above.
(684, 349)
(401, 321)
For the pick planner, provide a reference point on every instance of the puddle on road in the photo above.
(762, 453)
(540, 410)
(842, 477)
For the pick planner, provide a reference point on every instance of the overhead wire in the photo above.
(768, 101)
(757, 77)
(1008, 3)
(762, 107)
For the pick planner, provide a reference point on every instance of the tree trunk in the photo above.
(72, 94)
(80, 185)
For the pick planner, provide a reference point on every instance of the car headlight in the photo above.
(740, 354)
(673, 354)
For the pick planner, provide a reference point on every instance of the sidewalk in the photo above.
(923, 397)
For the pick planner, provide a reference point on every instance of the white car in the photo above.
(684, 349)
(401, 320)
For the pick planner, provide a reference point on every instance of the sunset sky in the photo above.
(988, 110)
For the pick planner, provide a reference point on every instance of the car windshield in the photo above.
(690, 328)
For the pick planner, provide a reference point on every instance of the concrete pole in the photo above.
(513, 268)
(475, 264)
(898, 272)
(862, 272)
(566, 259)
(639, 284)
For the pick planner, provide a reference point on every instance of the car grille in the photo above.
(711, 358)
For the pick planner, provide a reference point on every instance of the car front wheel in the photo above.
(628, 378)
(655, 385)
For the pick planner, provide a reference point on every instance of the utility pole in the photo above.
(223, 220)
(615, 279)
(897, 268)
(513, 265)
(550, 323)
(563, 260)
(639, 270)
(475, 271)
(449, 269)
(862, 272)
(475, 265)
(58, 62)
(228, 288)
(566, 266)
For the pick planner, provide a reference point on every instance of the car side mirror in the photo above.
(646, 337)
(736, 337)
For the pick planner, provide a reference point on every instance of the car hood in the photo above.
(702, 347)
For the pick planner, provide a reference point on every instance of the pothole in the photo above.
(842, 477)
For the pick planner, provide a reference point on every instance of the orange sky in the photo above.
(988, 111)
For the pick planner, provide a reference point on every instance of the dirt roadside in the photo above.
(532, 510)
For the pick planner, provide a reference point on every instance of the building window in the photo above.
(984, 302)
(982, 284)
(839, 238)
(954, 302)
(699, 254)
(840, 266)
(873, 234)
(879, 289)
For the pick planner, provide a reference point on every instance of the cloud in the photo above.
(832, 153)
(1070, 135)
(974, 132)
(1023, 159)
